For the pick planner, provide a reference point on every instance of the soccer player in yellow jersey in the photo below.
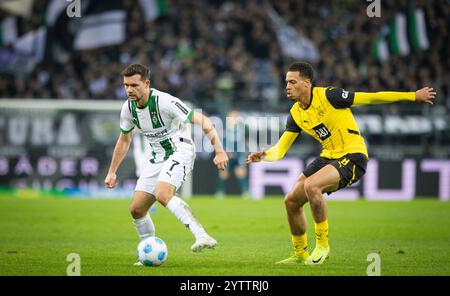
(324, 113)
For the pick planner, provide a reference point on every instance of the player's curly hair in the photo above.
(134, 69)
(305, 70)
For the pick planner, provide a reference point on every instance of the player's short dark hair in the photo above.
(134, 69)
(305, 70)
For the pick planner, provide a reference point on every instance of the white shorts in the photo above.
(173, 171)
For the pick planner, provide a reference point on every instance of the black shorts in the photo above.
(351, 167)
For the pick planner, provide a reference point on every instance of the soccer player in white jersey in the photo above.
(162, 119)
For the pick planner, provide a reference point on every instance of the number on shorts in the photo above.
(343, 162)
(173, 165)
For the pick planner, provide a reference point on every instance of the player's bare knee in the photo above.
(313, 191)
(136, 212)
(241, 172)
(163, 197)
(223, 174)
(292, 202)
(289, 200)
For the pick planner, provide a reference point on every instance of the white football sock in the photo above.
(183, 212)
(144, 226)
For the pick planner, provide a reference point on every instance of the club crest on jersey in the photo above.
(319, 111)
(154, 118)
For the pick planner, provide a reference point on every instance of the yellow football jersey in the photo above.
(329, 120)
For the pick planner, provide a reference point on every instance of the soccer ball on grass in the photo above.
(152, 251)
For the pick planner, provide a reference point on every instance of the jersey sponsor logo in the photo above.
(322, 132)
(156, 135)
(184, 110)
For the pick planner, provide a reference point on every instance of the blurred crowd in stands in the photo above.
(219, 54)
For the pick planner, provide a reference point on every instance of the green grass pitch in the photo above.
(412, 238)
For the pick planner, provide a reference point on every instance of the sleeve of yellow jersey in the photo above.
(382, 97)
(341, 98)
(278, 151)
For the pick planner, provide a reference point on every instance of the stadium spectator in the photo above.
(234, 141)
(196, 46)
(214, 37)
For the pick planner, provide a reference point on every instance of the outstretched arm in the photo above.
(341, 98)
(423, 95)
(221, 158)
(276, 152)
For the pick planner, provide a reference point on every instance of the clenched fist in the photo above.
(110, 180)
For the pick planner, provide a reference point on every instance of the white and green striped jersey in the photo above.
(162, 122)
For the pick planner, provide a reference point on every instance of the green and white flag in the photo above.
(399, 35)
(402, 35)
(418, 30)
(154, 8)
